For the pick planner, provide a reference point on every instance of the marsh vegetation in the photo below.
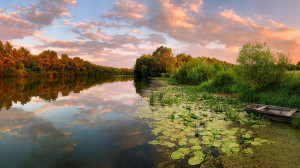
(198, 116)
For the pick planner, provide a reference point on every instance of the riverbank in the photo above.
(199, 128)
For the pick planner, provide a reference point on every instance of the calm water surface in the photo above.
(72, 122)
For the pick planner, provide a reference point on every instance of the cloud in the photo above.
(185, 22)
(44, 11)
(232, 16)
(106, 25)
(156, 38)
(131, 28)
(126, 9)
(27, 21)
(12, 28)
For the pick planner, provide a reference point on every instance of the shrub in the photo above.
(295, 84)
(223, 78)
(165, 75)
(182, 73)
(296, 121)
(200, 73)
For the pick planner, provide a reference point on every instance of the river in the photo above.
(91, 122)
(72, 122)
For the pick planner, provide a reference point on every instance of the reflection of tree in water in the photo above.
(140, 84)
(22, 90)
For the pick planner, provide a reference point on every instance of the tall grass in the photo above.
(152, 98)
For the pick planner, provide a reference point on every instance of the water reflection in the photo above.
(22, 90)
(71, 122)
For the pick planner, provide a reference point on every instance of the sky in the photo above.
(116, 32)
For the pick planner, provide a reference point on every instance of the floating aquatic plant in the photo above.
(192, 126)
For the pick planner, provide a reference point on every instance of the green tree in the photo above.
(143, 66)
(259, 67)
(163, 61)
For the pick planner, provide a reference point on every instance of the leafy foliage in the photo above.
(259, 67)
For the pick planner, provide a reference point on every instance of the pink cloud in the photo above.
(44, 12)
(126, 9)
(231, 15)
(12, 28)
(184, 22)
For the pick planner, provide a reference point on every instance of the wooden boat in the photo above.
(276, 113)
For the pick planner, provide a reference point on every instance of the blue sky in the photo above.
(116, 32)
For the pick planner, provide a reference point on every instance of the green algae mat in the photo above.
(206, 130)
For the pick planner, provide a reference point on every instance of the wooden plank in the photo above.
(291, 112)
(260, 108)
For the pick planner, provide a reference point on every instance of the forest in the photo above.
(21, 62)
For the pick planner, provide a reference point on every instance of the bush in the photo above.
(223, 78)
(296, 121)
(200, 73)
(165, 75)
(295, 84)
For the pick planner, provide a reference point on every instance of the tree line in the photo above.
(21, 62)
(163, 61)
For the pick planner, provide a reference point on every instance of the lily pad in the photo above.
(196, 147)
(168, 144)
(195, 160)
(177, 155)
(182, 141)
(194, 141)
(216, 144)
(199, 153)
(248, 150)
(180, 153)
(154, 142)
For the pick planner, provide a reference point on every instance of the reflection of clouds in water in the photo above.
(55, 128)
(14, 119)
(25, 126)
(126, 136)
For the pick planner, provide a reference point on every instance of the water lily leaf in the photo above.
(154, 142)
(226, 150)
(198, 153)
(216, 144)
(177, 155)
(248, 141)
(168, 144)
(259, 141)
(194, 141)
(235, 150)
(196, 147)
(156, 131)
(180, 153)
(248, 150)
(184, 150)
(256, 143)
(195, 160)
